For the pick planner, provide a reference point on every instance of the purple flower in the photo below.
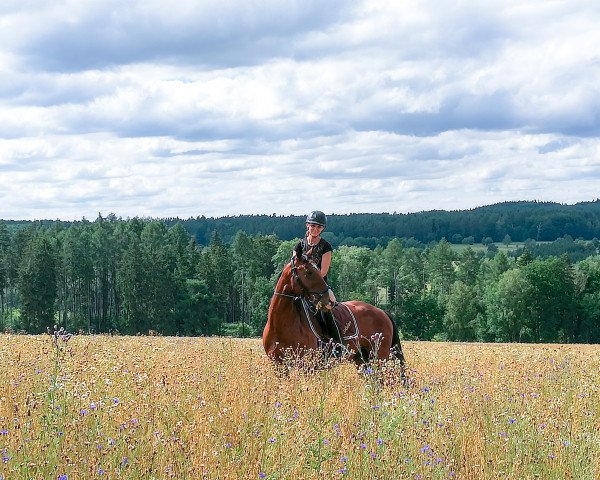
(512, 420)
(4, 432)
(425, 448)
(272, 440)
(343, 470)
(63, 476)
(101, 471)
(262, 475)
(115, 401)
(83, 411)
(379, 441)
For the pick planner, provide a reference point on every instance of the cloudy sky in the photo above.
(215, 107)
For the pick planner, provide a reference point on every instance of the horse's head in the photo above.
(308, 278)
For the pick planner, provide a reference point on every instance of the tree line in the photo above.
(143, 276)
(519, 221)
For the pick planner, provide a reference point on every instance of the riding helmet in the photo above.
(317, 218)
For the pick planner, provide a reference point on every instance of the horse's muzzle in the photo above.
(325, 304)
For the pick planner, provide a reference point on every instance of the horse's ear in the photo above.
(298, 251)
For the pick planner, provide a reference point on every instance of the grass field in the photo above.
(215, 408)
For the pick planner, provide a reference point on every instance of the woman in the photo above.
(319, 251)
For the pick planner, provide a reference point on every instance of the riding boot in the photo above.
(333, 332)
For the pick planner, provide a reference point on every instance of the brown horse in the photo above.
(288, 327)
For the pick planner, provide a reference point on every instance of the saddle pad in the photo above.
(346, 321)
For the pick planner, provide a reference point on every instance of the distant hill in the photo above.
(521, 221)
(540, 221)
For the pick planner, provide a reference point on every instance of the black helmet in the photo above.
(317, 218)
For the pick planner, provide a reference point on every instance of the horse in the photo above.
(290, 327)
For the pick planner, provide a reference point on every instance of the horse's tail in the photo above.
(396, 349)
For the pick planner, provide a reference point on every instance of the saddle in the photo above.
(342, 315)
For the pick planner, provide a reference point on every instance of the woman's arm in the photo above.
(325, 263)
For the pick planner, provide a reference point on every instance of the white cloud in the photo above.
(223, 108)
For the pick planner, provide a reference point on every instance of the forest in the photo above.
(149, 276)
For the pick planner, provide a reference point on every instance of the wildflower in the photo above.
(101, 471)
(115, 401)
(373, 455)
(343, 470)
(277, 404)
(4, 432)
(63, 476)
(425, 448)
(5, 458)
(124, 462)
(566, 443)
(425, 390)
(228, 445)
(262, 475)
(512, 420)
(83, 412)
(344, 459)
(325, 442)
(379, 441)
(272, 440)
(363, 446)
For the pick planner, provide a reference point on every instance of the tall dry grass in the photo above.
(214, 408)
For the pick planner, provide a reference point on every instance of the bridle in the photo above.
(306, 292)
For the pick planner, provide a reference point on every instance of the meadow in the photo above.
(108, 407)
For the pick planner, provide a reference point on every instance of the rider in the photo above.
(319, 251)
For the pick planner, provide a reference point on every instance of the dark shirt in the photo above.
(315, 253)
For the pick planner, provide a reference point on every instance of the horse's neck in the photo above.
(283, 309)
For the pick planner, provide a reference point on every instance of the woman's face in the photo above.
(314, 229)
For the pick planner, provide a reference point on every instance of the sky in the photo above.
(232, 107)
